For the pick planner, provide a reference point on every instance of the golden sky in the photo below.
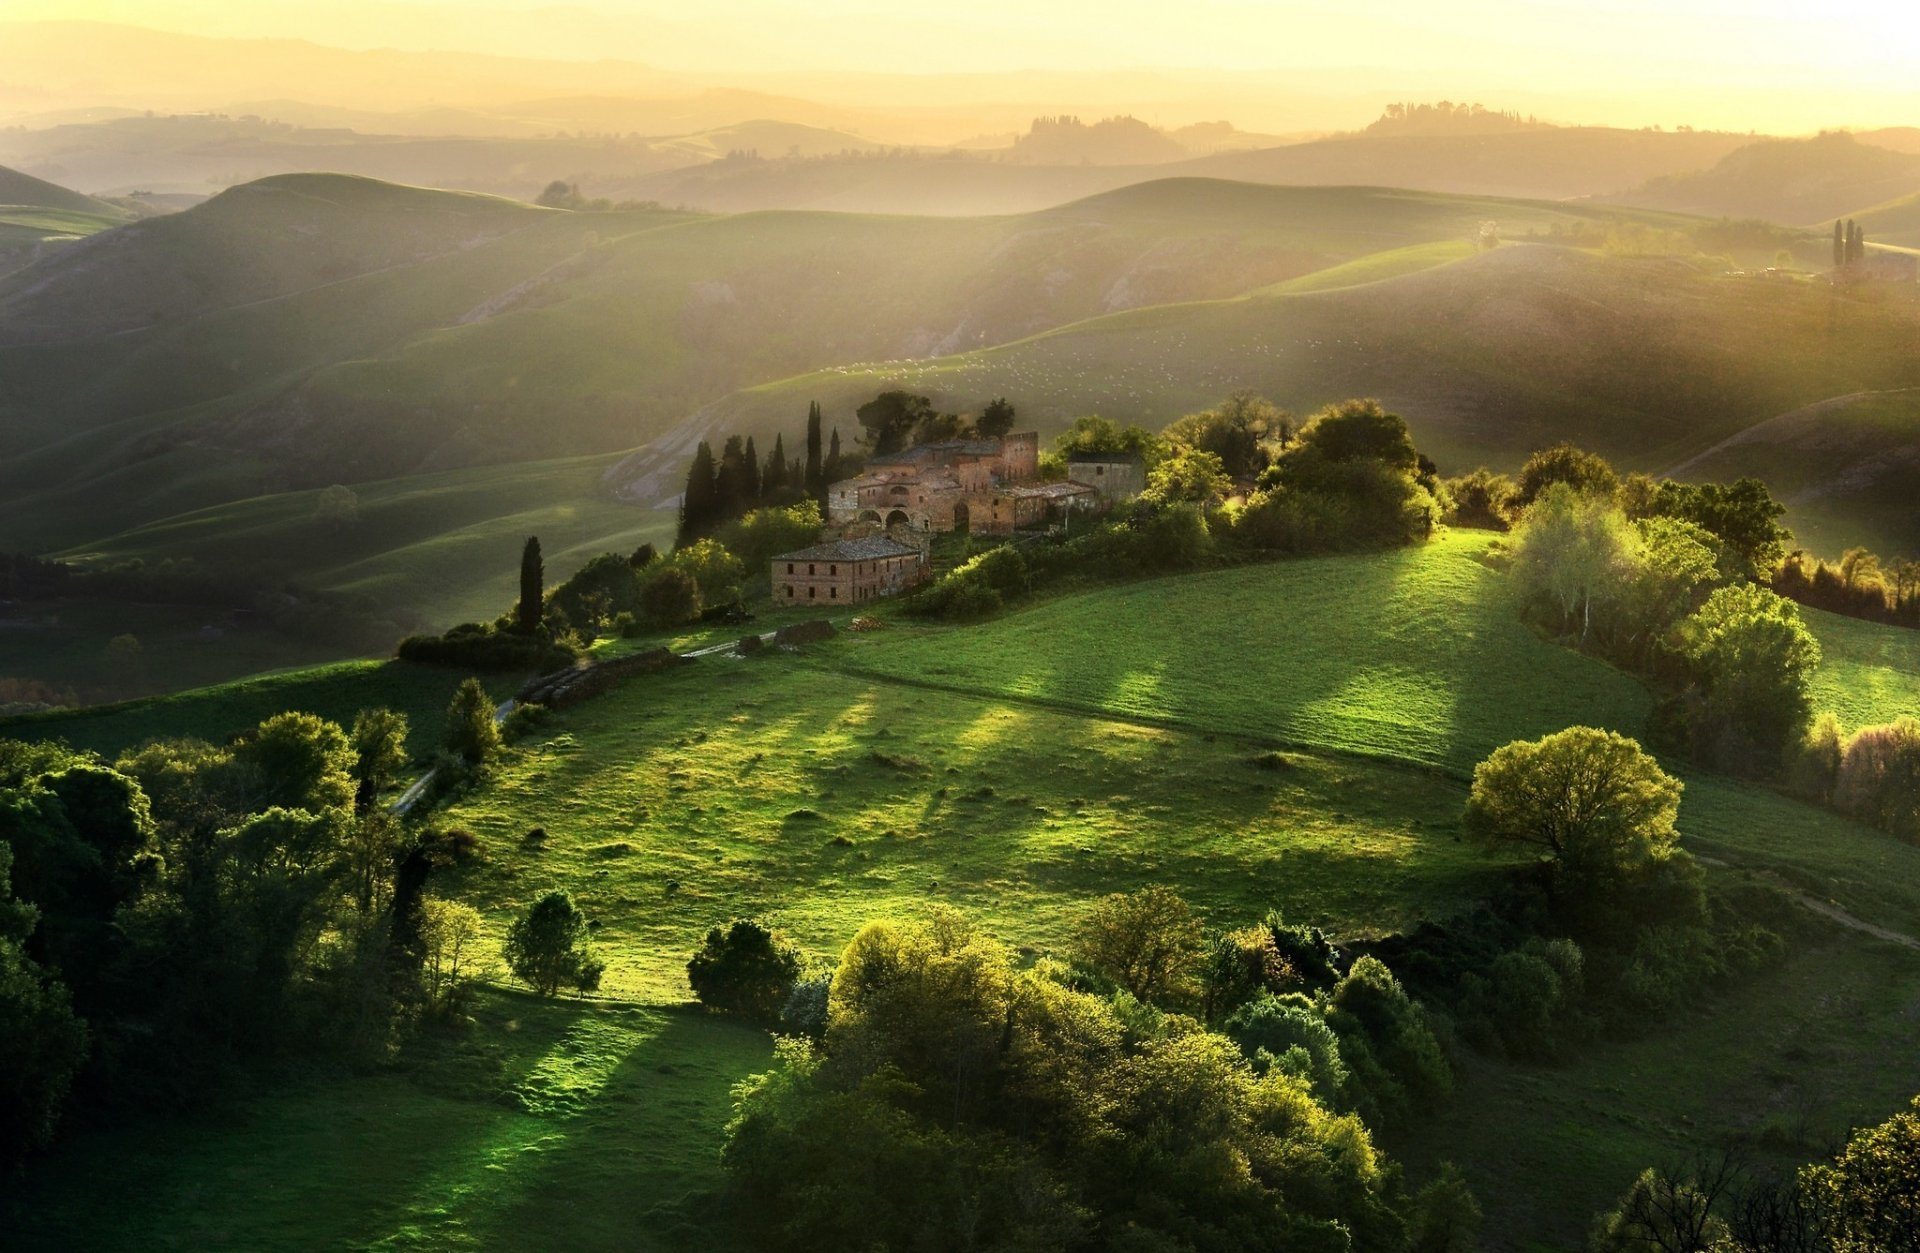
(1711, 62)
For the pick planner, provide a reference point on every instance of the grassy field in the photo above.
(1088, 744)
(1412, 655)
(334, 691)
(1868, 673)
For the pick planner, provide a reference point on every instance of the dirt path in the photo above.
(1826, 909)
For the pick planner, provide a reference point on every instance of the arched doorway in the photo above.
(898, 518)
(869, 515)
(962, 519)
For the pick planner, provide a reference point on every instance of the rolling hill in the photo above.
(1897, 222)
(1010, 771)
(1648, 360)
(312, 329)
(204, 153)
(34, 213)
(1551, 163)
(1848, 469)
(1799, 181)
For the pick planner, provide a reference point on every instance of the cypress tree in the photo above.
(698, 503)
(1839, 243)
(731, 498)
(830, 473)
(533, 576)
(749, 477)
(774, 477)
(816, 476)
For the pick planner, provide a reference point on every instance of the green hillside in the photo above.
(1000, 769)
(1648, 360)
(24, 191)
(1846, 467)
(306, 330)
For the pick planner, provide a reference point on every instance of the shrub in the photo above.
(670, 597)
(1480, 498)
(1879, 777)
(1754, 660)
(523, 720)
(745, 968)
(805, 1013)
(1238, 966)
(480, 648)
(1396, 1062)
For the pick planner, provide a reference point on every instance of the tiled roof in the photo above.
(868, 549)
(951, 447)
(1054, 491)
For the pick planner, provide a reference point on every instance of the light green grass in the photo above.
(1869, 674)
(1413, 655)
(1392, 263)
(1092, 743)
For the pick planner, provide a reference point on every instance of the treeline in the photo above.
(1447, 118)
(721, 489)
(1239, 482)
(1677, 582)
(191, 906)
(1859, 585)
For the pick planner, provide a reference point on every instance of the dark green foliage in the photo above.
(701, 503)
(293, 761)
(996, 419)
(472, 734)
(816, 470)
(889, 420)
(547, 948)
(764, 533)
(1446, 1217)
(1480, 498)
(475, 646)
(773, 476)
(1397, 1067)
(1878, 780)
(670, 597)
(643, 556)
(1238, 966)
(1586, 473)
(42, 1045)
(1743, 516)
(1236, 431)
(954, 1094)
(745, 968)
(1291, 1034)
(527, 611)
(1870, 1195)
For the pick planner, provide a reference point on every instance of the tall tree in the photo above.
(731, 497)
(750, 486)
(835, 464)
(1839, 243)
(774, 477)
(526, 615)
(996, 419)
(698, 503)
(816, 480)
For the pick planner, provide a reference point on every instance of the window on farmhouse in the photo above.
(809, 567)
(811, 592)
(789, 567)
(833, 593)
(833, 569)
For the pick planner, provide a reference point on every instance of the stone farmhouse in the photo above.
(987, 486)
(848, 571)
(1115, 475)
(886, 514)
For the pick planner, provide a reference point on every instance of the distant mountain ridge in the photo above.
(1799, 182)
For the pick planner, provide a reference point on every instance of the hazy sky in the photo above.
(1604, 39)
(1820, 61)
